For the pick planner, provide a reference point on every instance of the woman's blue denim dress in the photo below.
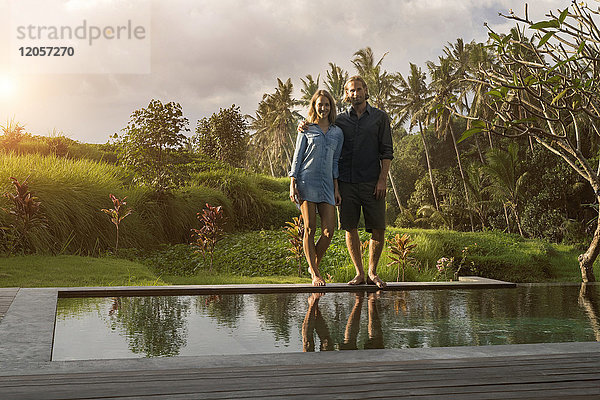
(315, 163)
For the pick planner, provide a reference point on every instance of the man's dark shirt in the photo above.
(367, 141)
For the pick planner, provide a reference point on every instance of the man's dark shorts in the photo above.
(355, 196)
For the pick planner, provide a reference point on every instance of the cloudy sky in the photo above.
(210, 54)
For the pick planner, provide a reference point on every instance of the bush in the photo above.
(255, 206)
(180, 260)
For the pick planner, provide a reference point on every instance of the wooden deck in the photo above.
(7, 296)
(557, 376)
(537, 371)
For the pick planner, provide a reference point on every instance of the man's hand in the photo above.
(302, 126)
(381, 186)
(380, 189)
(338, 198)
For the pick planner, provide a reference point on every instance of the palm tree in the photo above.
(309, 89)
(412, 100)
(382, 87)
(480, 59)
(507, 180)
(443, 105)
(336, 78)
(477, 184)
(274, 125)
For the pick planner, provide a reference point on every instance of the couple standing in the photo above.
(345, 164)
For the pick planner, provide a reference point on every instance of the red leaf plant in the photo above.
(117, 214)
(210, 233)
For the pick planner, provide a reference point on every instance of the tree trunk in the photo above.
(394, 188)
(506, 216)
(518, 219)
(462, 175)
(435, 200)
(586, 260)
(479, 152)
(270, 164)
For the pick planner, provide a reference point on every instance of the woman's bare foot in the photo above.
(373, 279)
(314, 298)
(318, 281)
(358, 280)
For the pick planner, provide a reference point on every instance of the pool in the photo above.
(166, 326)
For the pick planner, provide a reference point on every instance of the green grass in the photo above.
(64, 271)
(262, 257)
(60, 271)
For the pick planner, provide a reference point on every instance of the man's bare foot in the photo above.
(374, 295)
(358, 280)
(318, 281)
(376, 280)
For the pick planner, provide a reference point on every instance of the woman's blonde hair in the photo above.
(355, 78)
(312, 112)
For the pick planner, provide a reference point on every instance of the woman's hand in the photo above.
(294, 191)
(302, 126)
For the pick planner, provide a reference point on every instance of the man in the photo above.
(364, 165)
(363, 168)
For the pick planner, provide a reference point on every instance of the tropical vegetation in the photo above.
(491, 138)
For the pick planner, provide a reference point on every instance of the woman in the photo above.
(314, 176)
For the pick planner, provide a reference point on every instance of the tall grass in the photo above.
(73, 192)
(259, 202)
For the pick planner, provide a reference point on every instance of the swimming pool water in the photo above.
(126, 327)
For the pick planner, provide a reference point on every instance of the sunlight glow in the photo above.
(8, 86)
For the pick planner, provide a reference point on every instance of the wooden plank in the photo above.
(181, 383)
(553, 362)
(431, 371)
(276, 378)
(358, 388)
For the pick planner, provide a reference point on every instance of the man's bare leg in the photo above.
(353, 324)
(374, 324)
(375, 249)
(353, 244)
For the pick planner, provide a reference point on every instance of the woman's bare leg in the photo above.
(327, 213)
(309, 214)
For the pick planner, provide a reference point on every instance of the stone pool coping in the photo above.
(26, 332)
(464, 282)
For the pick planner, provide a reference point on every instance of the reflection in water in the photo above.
(276, 311)
(268, 323)
(314, 321)
(153, 326)
(588, 300)
(225, 309)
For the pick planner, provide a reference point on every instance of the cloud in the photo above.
(211, 54)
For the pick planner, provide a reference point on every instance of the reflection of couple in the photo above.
(345, 164)
(314, 321)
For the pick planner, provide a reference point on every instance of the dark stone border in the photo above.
(184, 290)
